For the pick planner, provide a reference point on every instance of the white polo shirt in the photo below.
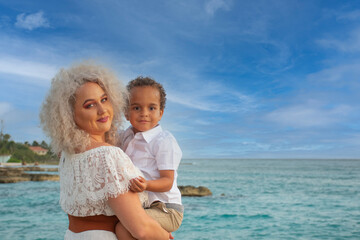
(152, 151)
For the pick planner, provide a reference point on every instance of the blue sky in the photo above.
(245, 79)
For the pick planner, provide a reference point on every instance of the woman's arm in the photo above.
(132, 216)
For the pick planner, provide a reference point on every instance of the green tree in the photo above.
(11, 146)
(43, 144)
(6, 147)
(1, 130)
(21, 153)
(6, 137)
(24, 154)
(4, 151)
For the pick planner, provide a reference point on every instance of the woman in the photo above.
(81, 114)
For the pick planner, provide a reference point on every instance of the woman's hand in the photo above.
(138, 184)
(133, 217)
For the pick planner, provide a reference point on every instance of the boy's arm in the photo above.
(163, 184)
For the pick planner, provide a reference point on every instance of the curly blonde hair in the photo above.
(57, 112)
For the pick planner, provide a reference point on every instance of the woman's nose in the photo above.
(101, 109)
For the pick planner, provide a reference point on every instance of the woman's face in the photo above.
(93, 110)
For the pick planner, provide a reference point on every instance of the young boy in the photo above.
(154, 151)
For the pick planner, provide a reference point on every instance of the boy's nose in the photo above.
(144, 112)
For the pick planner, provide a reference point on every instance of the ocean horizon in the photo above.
(252, 199)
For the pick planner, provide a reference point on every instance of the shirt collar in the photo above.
(128, 132)
(149, 135)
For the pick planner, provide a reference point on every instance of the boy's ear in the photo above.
(161, 113)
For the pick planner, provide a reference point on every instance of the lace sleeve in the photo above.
(101, 174)
(112, 176)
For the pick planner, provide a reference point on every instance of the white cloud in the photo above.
(4, 108)
(352, 15)
(308, 148)
(277, 58)
(253, 145)
(214, 5)
(350, 43)
(40, 71)
(4, 21)
(309, 115)
(342, 73)
(31, 21)
(213, 98)
(202, 122)
(22, 124)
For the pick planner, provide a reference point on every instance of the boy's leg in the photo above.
(168, 218)
(122, 233)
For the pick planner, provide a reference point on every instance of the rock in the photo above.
(32, 169)
(13, 179)
(44, 177)
(13, 175)
(38, 169)
(10, 172)
(191, 191)
(51, 169)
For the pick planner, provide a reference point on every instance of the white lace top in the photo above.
(88, 179)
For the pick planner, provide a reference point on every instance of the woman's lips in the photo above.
(103, 120)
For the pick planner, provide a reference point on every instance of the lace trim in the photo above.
(89, 179)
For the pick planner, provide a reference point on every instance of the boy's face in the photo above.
(144, 111)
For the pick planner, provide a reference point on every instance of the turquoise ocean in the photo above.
(252, 199)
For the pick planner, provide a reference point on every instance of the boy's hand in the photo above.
(138, 184)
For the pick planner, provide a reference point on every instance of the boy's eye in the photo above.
(136, 108)
(152, 108)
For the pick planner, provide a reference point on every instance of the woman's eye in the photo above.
(89, 105)
(104, 100)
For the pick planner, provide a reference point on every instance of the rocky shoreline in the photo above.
(21, 174)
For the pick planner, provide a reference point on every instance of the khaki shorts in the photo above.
(169, 218)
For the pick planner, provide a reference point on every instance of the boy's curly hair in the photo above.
(147, 81)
